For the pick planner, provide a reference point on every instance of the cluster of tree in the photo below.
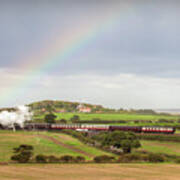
(125, 141)
(117, 140)
(50, 118)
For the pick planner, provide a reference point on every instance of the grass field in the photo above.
(44, 145)
(91, 172)
(171, 148)
(112, 117)
(70, 141)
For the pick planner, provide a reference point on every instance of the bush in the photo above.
(145, 157)
(63, 121)
(64, 159)
(156, 158)
(75, 118)
(50, 118)
(79, 159)
(126, 158)
(104, 159)
(23, 157)
(41, 158)
(53, 159)
(178, 161)
(23, 153)
(67, 159)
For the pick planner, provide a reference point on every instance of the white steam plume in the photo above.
(21, 115)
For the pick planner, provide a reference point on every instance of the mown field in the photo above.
(115, 117)
(171, 148)
(45, 143)
(91, 171)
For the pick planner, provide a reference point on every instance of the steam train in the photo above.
(87, 128)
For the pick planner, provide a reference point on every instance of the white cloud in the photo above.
(122, 90)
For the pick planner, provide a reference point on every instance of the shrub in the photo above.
(63, 121)
(178, 161)
(126, 158)
(53, 159)
(50, 118)
(104, 159)
(75, 118)
(156, 158)
(67, 159)
(79, 159)
(23, 157)
(41, 158)
(23, 153)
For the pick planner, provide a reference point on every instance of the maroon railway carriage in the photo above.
(136, 129)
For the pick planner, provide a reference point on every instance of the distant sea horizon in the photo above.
(170, 111)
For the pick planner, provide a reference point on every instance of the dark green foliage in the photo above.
(50, 118)
(127, 158)
(104, 159)
(23, 153)
(165, 121)
(50, 108)
(177, 160)
(75, 118)
(62, 121)
(41, 158)
(79, 159)
(124, 140)
(156, 158)
(63, 159)
(142, 157)
(67, 159)
(53, 159)
(23, 147)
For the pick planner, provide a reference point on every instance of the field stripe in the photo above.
(58, 142)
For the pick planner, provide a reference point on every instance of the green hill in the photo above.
(65, 106)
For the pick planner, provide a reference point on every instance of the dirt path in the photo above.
(58, 142)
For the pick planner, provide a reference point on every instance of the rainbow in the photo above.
(60, 48)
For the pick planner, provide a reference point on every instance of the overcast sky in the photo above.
(133, 62)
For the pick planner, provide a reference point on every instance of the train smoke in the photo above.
(21, 115)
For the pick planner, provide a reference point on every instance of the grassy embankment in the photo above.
(66, 145)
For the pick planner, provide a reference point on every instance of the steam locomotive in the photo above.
(86, 128)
